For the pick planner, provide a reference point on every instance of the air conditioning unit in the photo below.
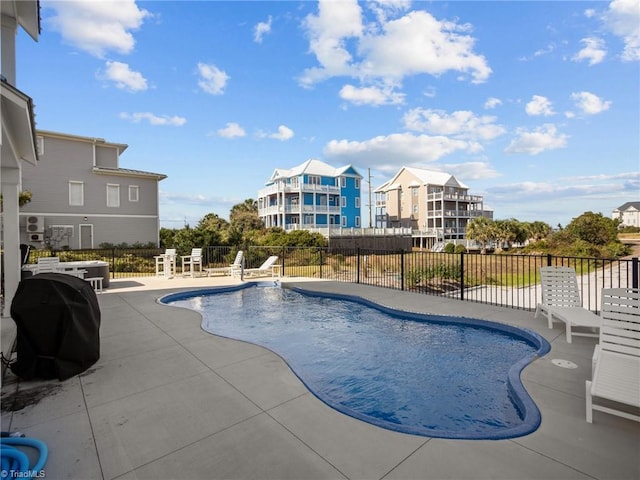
(35, 224)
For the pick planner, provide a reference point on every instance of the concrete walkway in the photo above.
(167, 400)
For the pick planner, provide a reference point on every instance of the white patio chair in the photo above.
(48, 265)
(233, 269)
(616, 359)
(268, 268)
(192, 261)
(166, 263)
(561, 299)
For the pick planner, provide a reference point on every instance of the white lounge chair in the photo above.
(616, 359)
(561, 299)
(268, 268)
(166, 263)
(233, 269)
(192, 261)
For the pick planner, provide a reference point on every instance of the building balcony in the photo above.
(454, 213)
(439, 196)
(306, 187)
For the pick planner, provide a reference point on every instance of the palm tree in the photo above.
(482, 230)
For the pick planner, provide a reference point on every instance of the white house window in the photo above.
(344, 221)
(415, 209)
(357, 182)
(76, 194)
(357, 202)
(113, 195)
(134, 193)
(343, 182)
(358, 222)
(344, 201)
(314, 180)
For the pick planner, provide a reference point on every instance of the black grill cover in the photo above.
(58, 320)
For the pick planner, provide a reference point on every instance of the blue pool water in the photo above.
(436, 376)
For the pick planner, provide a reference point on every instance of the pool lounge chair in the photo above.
(233, 269)
(561, 299)
(192, 261)
(616, 359)
(268, 268)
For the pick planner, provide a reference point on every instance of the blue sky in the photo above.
(535, 105)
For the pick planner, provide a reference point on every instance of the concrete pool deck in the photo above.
(168, 400)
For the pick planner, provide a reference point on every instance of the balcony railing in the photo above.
(301, 187)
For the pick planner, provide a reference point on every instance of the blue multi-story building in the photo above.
(311, 196)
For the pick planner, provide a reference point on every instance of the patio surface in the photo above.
(168, 400)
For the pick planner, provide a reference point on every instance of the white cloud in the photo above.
(461, 124)
(539, 105)
(593, 51)
(590, 104)
(387, 50)
(327, 31)
(124, 77)
(492, 102)
(371, 95)
(623, 19)
(261, 29)
(419, 43)
(395, 150)
(212, 79)
(153, 119)
(535, 142)
(98, 26)
(284, 133)
(470, 170)
(232, 130)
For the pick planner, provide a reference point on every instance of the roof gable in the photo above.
(629, 206)
(424, 176)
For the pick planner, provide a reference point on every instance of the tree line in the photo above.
(589, 235)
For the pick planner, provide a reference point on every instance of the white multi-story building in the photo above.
(312, 196)
(435, 205)
(628, 214)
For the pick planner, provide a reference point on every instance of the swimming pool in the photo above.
(428, 375)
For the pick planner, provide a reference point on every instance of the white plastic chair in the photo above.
(561, 300)
(616, 359)
(48, 265)
(166, 263)
(233, 269)
(192, 261)
(268, 268)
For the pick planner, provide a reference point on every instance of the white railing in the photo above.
(334, 231)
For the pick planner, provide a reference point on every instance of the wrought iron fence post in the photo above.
(320, 250)
(461, 275)
(634, 274)
(549, 257)
(401, 269)
(358, 265)
(282, 267)
(113, 262)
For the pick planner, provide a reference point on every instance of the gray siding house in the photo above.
(81, 198)
(17, 143)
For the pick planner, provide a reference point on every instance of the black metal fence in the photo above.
(508, 280)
